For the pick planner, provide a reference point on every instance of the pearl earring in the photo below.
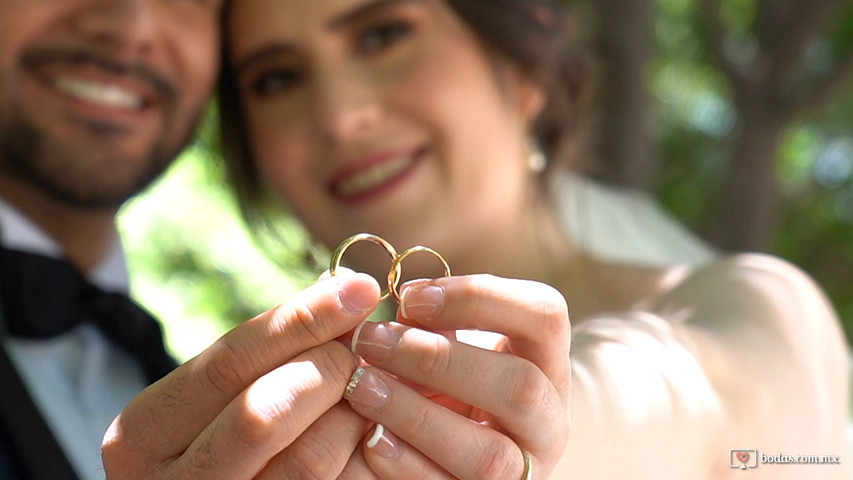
(536, 159)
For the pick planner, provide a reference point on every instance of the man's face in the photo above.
(98, 96)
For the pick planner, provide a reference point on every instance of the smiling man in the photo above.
(96, 99)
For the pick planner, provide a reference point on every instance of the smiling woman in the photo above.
(316, 116)
(452, 124)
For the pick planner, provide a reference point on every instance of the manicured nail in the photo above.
(382, 442)
(367, 390)
(420, 301)
(376, 341)
(355, 299)
(355, 335)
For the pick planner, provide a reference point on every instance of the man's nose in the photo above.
(126, 26)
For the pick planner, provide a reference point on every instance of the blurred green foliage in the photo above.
(192, 261)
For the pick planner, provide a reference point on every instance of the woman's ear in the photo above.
(524, 94)
(531, 98)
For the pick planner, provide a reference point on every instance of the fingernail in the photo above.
(382, 442)
(375, 341)
(354, 298)
(367, 390)
(421, 301)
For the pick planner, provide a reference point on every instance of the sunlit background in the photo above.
(191, 260)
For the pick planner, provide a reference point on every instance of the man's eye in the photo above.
(379, 37)
(276, 81)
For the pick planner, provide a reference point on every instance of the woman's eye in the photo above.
(274, 82)
(379, 37)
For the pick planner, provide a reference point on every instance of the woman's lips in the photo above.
(373, 177)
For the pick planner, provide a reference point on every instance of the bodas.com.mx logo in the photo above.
(743, 458)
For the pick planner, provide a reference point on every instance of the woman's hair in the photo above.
(536, 36)
(533, 34)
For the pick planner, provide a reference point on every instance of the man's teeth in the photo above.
(93, 92)
(373, 177)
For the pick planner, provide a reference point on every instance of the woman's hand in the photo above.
(492, 405)
(264, 401)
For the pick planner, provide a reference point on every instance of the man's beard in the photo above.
(29, 156)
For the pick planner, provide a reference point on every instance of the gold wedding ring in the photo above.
(395, 271)
(527, 474)
(366, 237)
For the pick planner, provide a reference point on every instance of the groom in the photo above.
(96, 100)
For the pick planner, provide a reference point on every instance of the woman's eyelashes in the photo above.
(371, 40)
(273, 81)
(382, 36)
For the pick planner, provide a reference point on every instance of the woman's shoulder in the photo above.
(752, 288)
(766, 333)
(756, 303)
(739, 301)
(749, 339)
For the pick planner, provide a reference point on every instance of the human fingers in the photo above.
(357, 467)
(533, 316)
(268, 416)
(507, 391)
(523, 391)
(159, 425)
(390, 457)
(436, 442)
(328, 447)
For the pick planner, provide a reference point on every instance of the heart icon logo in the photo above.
(743, 457)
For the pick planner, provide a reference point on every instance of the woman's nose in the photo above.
(347, 103)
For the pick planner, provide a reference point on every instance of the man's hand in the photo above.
(264, 401)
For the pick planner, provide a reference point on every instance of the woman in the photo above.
(421, 121)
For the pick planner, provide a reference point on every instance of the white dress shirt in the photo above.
(79, 380)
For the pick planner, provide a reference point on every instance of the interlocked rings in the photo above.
(396, 269)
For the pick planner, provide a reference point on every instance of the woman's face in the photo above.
(383, 116)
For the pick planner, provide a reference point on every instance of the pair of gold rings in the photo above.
(394, 274)
(396, 270)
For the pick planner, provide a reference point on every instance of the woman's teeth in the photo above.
(101, 94)
(370, 178)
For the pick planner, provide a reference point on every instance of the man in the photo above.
(96, 99)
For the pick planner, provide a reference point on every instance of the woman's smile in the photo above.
(370, 177)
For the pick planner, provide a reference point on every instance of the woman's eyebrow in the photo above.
(364, 10)
(269, 51)
(351, 16)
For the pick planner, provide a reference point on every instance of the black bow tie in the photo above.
(42, 297)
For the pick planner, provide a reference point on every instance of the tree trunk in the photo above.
(770, 91)
(624, 44)
(749, 197)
